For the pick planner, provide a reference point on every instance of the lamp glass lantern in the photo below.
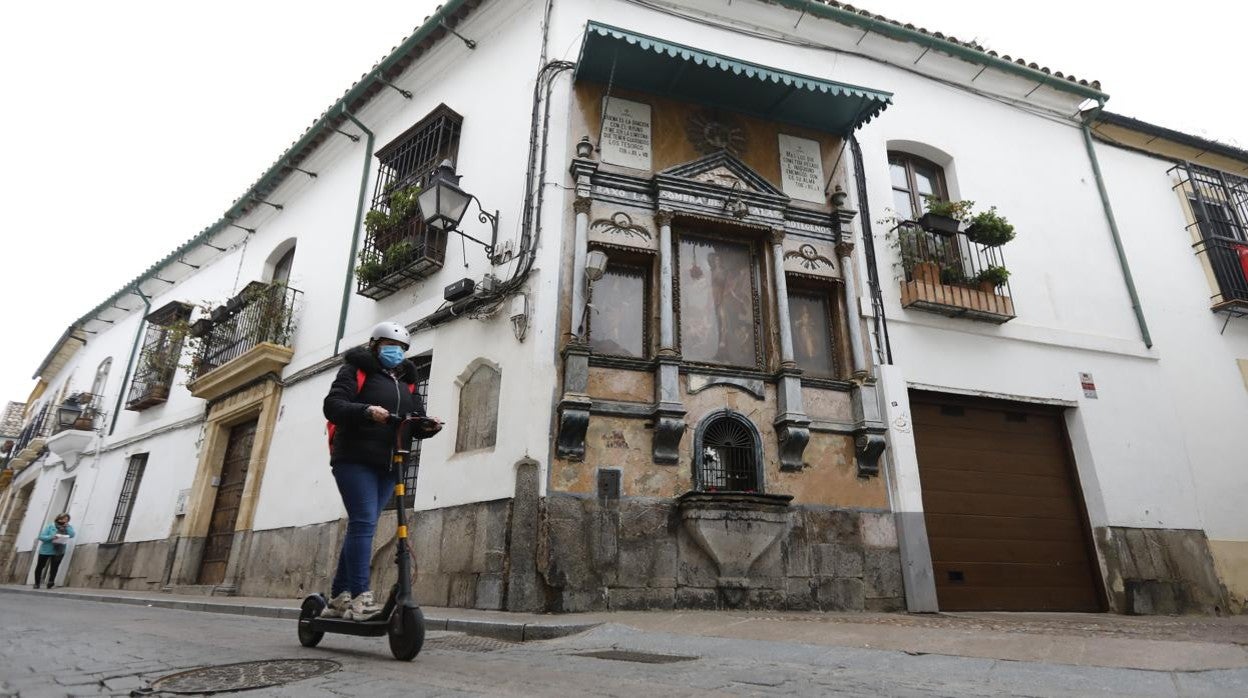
(442, 203)
(68, 413)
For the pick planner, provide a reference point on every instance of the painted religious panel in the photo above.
(801, 169)
(626, 133)
(617, 312)
(810, 319)
(717, 309)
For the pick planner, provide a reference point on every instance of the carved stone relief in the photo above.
(616, 227)
(811, 260)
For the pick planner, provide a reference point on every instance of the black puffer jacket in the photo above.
(357, 438)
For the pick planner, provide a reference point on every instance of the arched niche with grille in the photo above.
(728, 454)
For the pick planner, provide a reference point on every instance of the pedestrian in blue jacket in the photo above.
(52, 547)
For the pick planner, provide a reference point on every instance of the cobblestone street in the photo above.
(59, 647)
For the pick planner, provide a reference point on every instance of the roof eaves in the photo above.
(967, 50)
(1172, 135)
(426, 35)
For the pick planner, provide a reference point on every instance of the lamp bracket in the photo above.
(488, 218)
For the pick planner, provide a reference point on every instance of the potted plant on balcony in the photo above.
(992, 277)
(989, 229)
(370, 269)
(944, 217)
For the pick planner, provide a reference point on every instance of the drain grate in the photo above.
(468, 643)
(243, 676)
(629, 656)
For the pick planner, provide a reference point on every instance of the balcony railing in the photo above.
(261, 313)
(41, 425)
(951, 275)
(399, 256)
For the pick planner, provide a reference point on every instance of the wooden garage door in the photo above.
(1003, 513)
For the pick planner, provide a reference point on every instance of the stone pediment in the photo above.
(724, 170)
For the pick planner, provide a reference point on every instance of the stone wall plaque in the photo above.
(626, 133)
(801, 169)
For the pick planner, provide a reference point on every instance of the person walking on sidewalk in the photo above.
(377, 381)
(52, 542)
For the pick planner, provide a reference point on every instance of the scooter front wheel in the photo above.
(312, 606)
(407, 633)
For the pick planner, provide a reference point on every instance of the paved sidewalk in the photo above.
(1155, 643)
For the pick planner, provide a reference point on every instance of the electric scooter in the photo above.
(401, 617)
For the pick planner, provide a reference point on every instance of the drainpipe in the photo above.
(1113, 229)
(134, 351)
(355, 230)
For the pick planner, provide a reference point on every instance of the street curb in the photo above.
(512, 631)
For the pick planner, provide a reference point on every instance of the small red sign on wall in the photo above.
(1089, 385)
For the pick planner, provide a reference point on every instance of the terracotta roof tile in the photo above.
(1093, 84)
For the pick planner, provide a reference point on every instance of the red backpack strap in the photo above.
(330, 427)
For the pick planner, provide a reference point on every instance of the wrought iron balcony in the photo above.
(262, 313)
(33, 436)
(399, 256)
(952, 275)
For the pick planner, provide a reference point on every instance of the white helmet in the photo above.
(392, 331)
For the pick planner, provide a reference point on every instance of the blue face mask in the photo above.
(390, 356)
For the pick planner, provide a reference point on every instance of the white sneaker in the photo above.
(337, 606)
(362, 607)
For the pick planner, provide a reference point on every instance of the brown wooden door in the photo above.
(225, 508)
(1003, 510)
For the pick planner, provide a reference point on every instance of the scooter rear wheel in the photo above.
(311, 608)
(407, 633)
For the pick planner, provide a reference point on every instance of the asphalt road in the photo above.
(59, 647)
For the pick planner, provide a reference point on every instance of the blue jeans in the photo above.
(365, 490)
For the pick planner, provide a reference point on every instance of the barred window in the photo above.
(129, 492)
(397, 249)
(411, 468)
(158, 361)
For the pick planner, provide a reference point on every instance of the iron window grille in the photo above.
(728, 456)
(411, 467)
(403, 251)
(262, 313)
(129, 492)
(158, 361)
(1219, 203)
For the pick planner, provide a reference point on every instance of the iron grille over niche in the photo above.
(728, 461)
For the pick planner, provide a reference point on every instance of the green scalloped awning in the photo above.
(646, 64)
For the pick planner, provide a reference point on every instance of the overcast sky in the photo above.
(128, 127)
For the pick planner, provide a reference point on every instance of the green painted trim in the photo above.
(1113, 229)
(894, 31)
(737, 66)
(355, 230)
(277, 172)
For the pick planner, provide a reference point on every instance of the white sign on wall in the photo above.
(626, 133)
(801, 169)
(1088, 385)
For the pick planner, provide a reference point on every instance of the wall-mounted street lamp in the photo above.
(443, 204)
(68, 413)
(595, 265)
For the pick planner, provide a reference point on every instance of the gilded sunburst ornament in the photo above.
(710, 132)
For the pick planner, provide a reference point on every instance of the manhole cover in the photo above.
(468, 643)
(243, 676)
(643, 657)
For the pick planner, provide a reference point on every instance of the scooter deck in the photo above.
(366, 628)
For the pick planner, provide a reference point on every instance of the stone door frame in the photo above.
(261, 402)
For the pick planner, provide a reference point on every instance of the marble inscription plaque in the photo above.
(801, 169)
(626, 133)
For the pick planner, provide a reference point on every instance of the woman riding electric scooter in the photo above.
(375, 383)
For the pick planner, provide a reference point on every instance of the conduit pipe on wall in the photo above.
(1113, 230)
(355, 229)
(134, 352)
